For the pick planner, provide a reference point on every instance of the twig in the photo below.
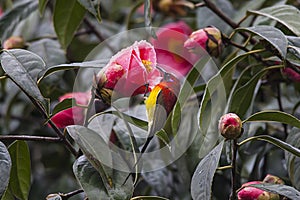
(278, 96)
(51, 123)
(30, 138)
(226, 19)
(233, 169)
(71, 194)
(97, 34)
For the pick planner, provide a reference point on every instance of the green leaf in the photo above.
(89, 179)
(133, 120)
(92, 6)
(95, 148)
(148, 198)
(163, 136)
(274, 116)
(283, 190)
(216, 82)
(67, 17)
(5, 166)
(105, 161)
(204, 173)
(19, 183)
(11, 19)
(23, 68)
(271, 34)
(98, 64)
(243, 96)
(42, 6)
(63, 105)
(49, 50)
(283, 145)
(292, 161)
(187, 90)
(284, 14)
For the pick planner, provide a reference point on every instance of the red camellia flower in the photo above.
(130, 72)
(171, 54)
(74, 115)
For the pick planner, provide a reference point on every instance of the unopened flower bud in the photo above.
(251, 193)
(14, 42)
(209, 38)
(291, 74)
(172, 7)
(230, 126)
(273, 179)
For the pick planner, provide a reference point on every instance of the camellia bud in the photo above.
(172, 7)
(209, 38)
(291, 74)
(251, 193)
(230, 126)
(14, 42)
(273, 179)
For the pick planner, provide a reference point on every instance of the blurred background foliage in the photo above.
(51, 163)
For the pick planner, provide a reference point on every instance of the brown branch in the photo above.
(233, 169)
(226, 19)
(97, 33)
(30, 138)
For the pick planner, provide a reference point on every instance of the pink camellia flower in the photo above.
(1, 12)
(291, 74)
(74, 115)
(230, 126)
(251, 193)
(130, 72)
(209, 38)
(171, 54)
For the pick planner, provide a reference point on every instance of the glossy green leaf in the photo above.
(92, 6)
(63, 105)
(8, 195)
(88, 64)
(95, 148)
(284, 14)
(105, 161)
(133, 120)
(5, 166)
(274, 116)
(89, 179)
(243, 96)
(216, 82)
(148, 198)
(271, 34)
(19, 183)
(163, 136)
(283, 145)
(49, 50)
(187, 90)
(23, 67)
(11, 19)
(67, 17)
(292, 161)
(204, 173)
(42, 6)
(283, 190)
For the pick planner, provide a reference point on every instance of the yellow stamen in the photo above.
(147, 64)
